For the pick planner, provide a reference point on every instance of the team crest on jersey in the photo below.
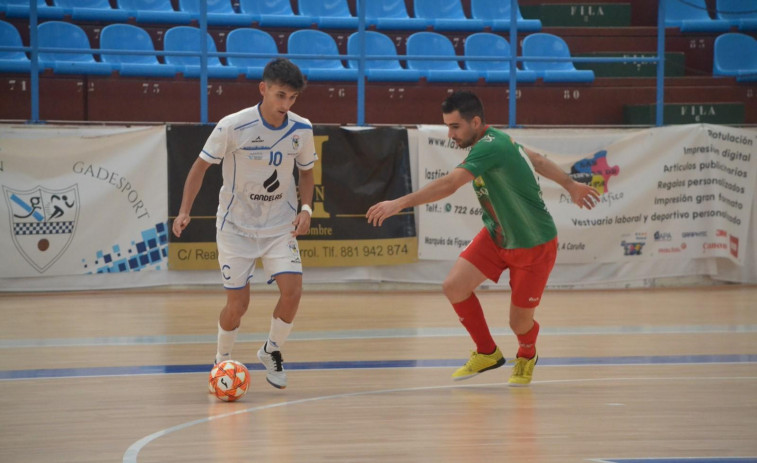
(296, 142)
(43, 222)
(487, 138)
(295, 252)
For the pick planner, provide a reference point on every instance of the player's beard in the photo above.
(466, 142)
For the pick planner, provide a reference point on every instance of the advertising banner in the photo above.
(681, 192)
(356, 168)
(81, 200)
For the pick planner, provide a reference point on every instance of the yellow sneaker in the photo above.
(523, 371)
(479, 363)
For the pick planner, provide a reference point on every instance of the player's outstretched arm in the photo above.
(581, 194)
(191, 187)
(434, 191)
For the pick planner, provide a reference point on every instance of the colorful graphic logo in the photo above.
(149, 252)
(43, 222)
(631, 249)
(595, 172)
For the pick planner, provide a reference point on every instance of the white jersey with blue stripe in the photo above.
(259, 196)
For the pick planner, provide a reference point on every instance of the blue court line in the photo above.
(372, 364)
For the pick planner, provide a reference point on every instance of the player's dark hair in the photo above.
(466, 103)
(284, 72)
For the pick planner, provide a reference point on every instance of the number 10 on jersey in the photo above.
(275, 158)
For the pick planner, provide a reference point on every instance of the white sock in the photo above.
(225, 343)
(278, 335)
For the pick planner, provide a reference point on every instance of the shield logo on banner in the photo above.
(43, 222)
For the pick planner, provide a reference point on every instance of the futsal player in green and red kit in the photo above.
(519, 233)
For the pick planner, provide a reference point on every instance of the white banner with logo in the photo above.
(678, 192)
(82, 200)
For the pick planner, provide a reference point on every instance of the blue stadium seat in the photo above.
(185, 38)
(20, 9)
(154, 11)
(380, 70)
(312, 42)
(246, 40)
(495, 46)
(739, 13)
(275, 13)
(496, 15)
(392, 15)
(58, 34)
(12, 61)
(735, 55)
(134, 38)
(435, 44)
(91, 10)
(548, 45)
(219, 13)
(692, 16)
(446, 15)
(331, 14)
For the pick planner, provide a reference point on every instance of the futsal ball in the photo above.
(229, 380)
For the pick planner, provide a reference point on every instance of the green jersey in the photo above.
(506, 186)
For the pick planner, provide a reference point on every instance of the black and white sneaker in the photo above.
(274, 365)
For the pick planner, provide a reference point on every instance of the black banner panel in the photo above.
(357, 168)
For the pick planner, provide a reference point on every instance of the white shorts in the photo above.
(237, 255)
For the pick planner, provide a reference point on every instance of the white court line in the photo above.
(130, 456)
(371, 334)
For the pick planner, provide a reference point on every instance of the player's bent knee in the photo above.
(521, 319)
(236, 310)
(291, 293)
(450, 290)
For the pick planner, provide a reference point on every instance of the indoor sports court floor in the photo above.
(662, 375)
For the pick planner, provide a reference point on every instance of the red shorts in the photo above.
(529, 267)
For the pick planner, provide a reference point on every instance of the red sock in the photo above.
(472, 317)
(527, 342)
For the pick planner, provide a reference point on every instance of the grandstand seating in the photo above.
(495, 46)
(692, 16)
(275, 13)
(247, 40)
(379, 70)
(393, 95)
(738, 13)
(91, 10)
(736, 56)
(313, 42)
(446, 15)
(187, 39)
(154, 11)
(20, 9)
(12, 61)
(331, 14)
(496, 15)
(392, 15)
(59, 34)
(219, 13)
(132, 38)
(435, 44)
(545, 45)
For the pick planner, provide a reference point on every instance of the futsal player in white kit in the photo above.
(258, 215)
